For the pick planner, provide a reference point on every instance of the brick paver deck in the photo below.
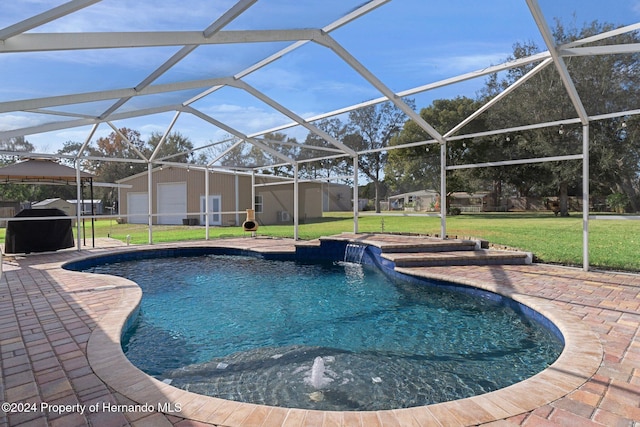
(59, 346)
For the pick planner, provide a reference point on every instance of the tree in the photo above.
(619, 171)
(285, 145)
(176, 148)
(372, 129)
(605, 83)
(244, 156)
(416, 168)
(72, 148)
(115, 147)
(248, 155)
(327, 167)
(17, 144)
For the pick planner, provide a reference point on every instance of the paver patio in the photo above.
(57, 347)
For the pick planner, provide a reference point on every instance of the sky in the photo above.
(405, 43)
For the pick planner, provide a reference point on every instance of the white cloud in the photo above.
(277, 78)
(465, 63)
(126, 15)
(16, 121)
(446, 62)
(246, 119)
(51, 142)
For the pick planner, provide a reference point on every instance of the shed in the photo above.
(57, 203)
(89, 206)
(469, 202)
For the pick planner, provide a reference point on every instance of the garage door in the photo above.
(172, 202)
(138, 208)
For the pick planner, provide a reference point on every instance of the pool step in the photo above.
(423, 251)
(474, 257)
(398, 243)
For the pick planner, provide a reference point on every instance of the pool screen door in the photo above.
(215, 218)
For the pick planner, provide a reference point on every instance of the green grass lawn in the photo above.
(614, 244)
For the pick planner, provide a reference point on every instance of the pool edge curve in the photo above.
(579, 360)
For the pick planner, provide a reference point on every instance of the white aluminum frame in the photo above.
(17, 38)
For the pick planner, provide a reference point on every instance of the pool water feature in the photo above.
(354, 252)
(337, 336)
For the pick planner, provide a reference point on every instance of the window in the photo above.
(258, 204)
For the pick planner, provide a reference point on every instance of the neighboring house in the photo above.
(422, 200)
(429, 201)
(178, 197)
(57, 203)
(98, 208)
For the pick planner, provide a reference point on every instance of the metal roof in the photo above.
(40, 171)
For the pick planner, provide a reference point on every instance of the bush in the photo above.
(618, 202)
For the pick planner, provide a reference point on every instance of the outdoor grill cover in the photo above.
(40, 235)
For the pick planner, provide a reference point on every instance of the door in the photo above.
(215, 204)
(138, 205)
(172, 202)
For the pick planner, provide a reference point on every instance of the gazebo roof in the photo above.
(40, 171)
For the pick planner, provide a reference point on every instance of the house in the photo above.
(57, 203)
(422, 200)
(179, 197)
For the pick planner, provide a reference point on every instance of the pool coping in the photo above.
(578, 362)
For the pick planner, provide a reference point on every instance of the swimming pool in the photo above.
(273, 335)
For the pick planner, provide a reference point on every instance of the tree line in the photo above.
(605, 84)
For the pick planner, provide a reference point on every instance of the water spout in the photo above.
(317, 378)
(354, 253)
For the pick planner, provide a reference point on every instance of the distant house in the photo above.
(178, 197)
(422, 200)
(57, 203)
(98, 208)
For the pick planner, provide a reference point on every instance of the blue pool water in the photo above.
(335, 336)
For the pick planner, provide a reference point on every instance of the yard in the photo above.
(614, 244)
